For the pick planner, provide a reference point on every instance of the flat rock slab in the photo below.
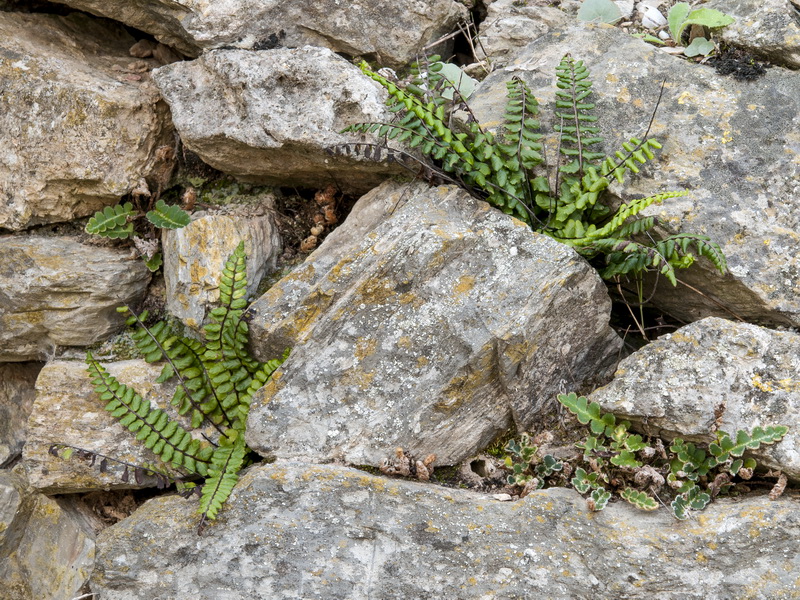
(741, 374)
(77, 132)
(195, 255)
(299, 531)
(392, 32)
(269, 116)
(48, 547)
(735, 145)
(57, 291)
(68, 411)
(442, 326)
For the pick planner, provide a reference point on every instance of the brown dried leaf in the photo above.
(779, 487)
(308, 244)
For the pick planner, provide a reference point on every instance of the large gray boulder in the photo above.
(301, 531)
(47, 546)
(714, 374)
(89, 284)
(269, 116)
(437, 330)
(733, 144)
(77, 131)
(392, 32)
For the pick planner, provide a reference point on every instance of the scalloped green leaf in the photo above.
(168, 217)
(112, 222)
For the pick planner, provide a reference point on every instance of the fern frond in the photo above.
(226, 462)
(184, 362)
(574, 87)
(112, 222)
(635, 151)
(164, 437)
(168, 217)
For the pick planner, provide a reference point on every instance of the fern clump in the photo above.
(215, 382)
(506, 167)
(639, 471)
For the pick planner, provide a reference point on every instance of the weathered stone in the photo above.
(57, 291)
(769, 29)
(445, 324)
(47, 547)
(75, 134)
(299, 531)
(509, 26)
(288, 107)
(68, 411)
(195, 255)
(16, 401)
(393, 33)
(714, 373)
(735, 145)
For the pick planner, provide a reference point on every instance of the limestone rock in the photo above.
(734, 145)
(68, 411)
(391, 32)
(57, 291)
(268, 117)
(714, 373)
(77, 131)
(509, 26)
(769, 29)
(16, 401)
(48, 549)
(300, 531)
(195, 255)
(442, 326)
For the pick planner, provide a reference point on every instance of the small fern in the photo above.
(112, 222)
(117, 222)
(504, 168)
(215, 380)
(694, 474)
(168, 217)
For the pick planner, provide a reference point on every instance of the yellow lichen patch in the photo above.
(422, 362)
(376, 291)
(685, 339)
(463, 387)
(365, 347)
(358, 378)
(787, 384)
(701, 558)
(624, 95)
(464, 285)
(404, 342)
(758, 383)
(611, 78)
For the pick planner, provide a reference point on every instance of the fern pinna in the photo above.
(505, 167)
(215, 382)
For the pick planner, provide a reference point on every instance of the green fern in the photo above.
(168, 217)
(171, 442)
(226, 462)
(503, 168)
(613, 454)
(215, 380)
(112, 222)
